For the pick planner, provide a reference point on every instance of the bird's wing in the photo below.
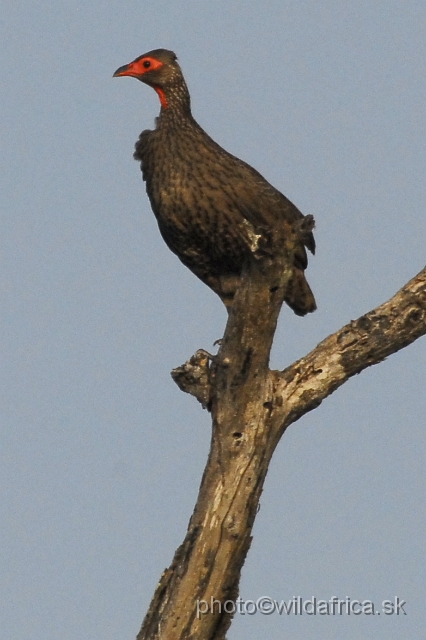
(262, 204)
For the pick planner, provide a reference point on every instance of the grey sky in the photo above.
(101, 455)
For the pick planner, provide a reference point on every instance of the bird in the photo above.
(208, 203)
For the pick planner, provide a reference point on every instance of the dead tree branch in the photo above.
(251, 407)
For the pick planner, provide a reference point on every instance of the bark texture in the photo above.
(251, 407)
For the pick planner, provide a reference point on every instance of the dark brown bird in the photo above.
(207, 202)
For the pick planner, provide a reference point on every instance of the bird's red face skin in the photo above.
(140, 67)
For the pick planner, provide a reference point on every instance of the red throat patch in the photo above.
(162, 97)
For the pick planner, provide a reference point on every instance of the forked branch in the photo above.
(251, 407)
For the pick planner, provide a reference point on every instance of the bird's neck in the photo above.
(175, 102)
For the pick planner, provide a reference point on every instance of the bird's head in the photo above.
(159, 69)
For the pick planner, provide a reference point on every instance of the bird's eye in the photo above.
(146, 64)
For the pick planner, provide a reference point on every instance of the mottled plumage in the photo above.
(206, 200)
